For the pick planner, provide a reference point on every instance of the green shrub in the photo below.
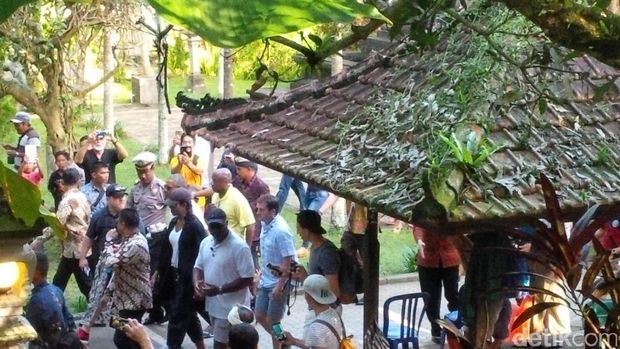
(7, 110)
(119, 131)
(178, 57)
(80, 304)
(410, 255)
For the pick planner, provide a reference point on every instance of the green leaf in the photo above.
(234, 23)
(317, 40)
(10, 6)
(542, 106)
(24, 199)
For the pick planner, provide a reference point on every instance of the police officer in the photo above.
(148, 198)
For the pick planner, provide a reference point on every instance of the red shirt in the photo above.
(434, 250)
(611, 237)
(33, 177)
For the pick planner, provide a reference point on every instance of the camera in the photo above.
(101, 134)
(278, 332)
(117, 322)
(275, 269)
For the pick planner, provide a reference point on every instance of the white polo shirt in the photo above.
(221, 264)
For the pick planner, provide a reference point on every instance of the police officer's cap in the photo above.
(144, 160)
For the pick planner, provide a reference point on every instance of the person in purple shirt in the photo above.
(252, 188)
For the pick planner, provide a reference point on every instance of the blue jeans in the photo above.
(315, 199)
(285, 185)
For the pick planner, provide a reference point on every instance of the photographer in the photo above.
(189, 165)
(277, 251)
(94, 150)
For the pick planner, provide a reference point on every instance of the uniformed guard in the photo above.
(148, 198)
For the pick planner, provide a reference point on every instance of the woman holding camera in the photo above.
(189, 165)
(184, 234)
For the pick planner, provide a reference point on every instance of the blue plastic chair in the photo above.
(411, 314)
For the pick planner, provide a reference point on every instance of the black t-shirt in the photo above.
(53, 185)
(109, 156)
(100, 224)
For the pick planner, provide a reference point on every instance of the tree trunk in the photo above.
(145, 55)
(57, 136)
(225, 73)
(162, 117)
(108, 86)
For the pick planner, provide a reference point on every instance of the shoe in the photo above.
(207, 332)
(83, 335)
(302, 252)
(150, 321)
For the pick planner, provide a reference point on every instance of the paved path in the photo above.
(352, 317)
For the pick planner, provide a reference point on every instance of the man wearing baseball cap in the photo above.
(101, 223)
(223, 272)
(27, 136)
(320, 333)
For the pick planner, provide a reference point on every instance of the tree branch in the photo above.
(22, 94)
(81, 93)
(579, 27)
(310, 55)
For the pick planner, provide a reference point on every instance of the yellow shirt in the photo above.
(237, 208)
(192, 179)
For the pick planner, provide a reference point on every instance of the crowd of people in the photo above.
(172, 251)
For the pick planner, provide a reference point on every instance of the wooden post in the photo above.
(371, 273)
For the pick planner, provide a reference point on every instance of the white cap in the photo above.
(235, 319)
(317, 287)
(144, 159)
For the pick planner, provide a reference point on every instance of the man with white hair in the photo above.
(27, 137)
(94, 150)
(231, 200)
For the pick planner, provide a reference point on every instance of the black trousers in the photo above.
(156, 243)
(431, 280)
(183, 314)
(120, 338)
(68, 267)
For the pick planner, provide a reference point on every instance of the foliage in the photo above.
(471, 152)
(10, 6)
(119, 131)
(410, 258)
(7, 110)
(46, 72)
(178, 57)
(278, 58)
(556, 270)
(234, 23)
(24, 199)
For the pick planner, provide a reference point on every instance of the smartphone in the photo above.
(117, 322)
(185, 150)
(277, 331)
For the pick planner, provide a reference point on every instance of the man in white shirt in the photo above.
(224, 273)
